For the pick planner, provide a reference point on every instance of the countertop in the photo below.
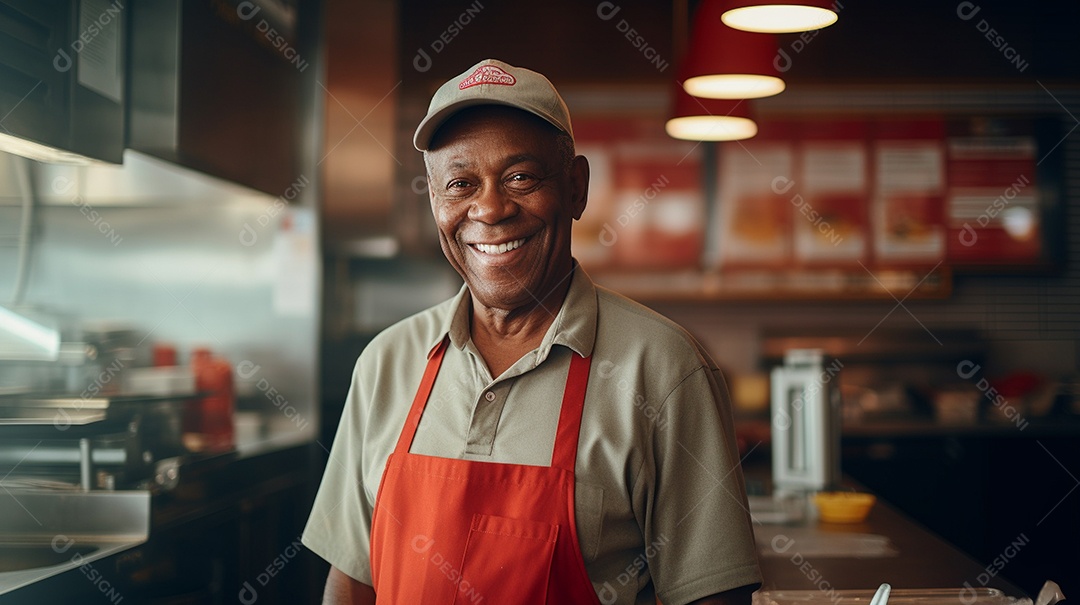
(227, 518)
(917, 558)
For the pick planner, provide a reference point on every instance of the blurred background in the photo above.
(209, 207)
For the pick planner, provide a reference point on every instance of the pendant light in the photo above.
(696, 119)
(779, 16)
(726, 63)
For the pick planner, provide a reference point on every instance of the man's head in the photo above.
(504, 183)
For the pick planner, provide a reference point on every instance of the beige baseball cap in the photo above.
(492, 82)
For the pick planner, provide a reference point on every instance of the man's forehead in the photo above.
(493, 121)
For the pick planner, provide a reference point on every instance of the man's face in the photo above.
(504, 201)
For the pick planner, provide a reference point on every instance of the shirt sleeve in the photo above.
(339, 527)
(698, 535)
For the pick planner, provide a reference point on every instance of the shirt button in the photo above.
(489, 396)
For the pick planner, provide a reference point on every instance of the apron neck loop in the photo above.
(564, 454)
(405, 439)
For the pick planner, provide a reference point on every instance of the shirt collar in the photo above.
(574, 326)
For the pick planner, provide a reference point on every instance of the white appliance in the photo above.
(805, 422)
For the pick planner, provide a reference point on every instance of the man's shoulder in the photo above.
(413, 336)
(630, 325)
(635, 317)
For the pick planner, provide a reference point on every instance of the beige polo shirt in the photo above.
(660, 501)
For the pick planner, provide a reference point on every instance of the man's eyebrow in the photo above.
(466, 163)
(523, 157)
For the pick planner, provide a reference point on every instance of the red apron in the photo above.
(449, 531)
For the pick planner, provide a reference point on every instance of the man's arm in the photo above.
(697, 499)
(343, 590)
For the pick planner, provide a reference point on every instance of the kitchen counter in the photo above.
(229, 524)
(65, 530)
(913, 557)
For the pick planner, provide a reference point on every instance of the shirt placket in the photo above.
(487, 411)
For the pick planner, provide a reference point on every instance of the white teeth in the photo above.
(500, 248)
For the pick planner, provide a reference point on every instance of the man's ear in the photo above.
(427, 183)
(579, 185)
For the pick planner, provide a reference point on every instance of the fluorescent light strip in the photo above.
(44, 340)
(42, 153)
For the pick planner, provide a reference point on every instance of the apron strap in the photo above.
(405, 439)
(564, 454)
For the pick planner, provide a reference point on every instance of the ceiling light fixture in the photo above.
(725, 63)
(779, 16)
(695, 119)
(40, 152)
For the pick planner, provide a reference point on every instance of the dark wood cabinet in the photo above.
(1003, 495)
(221, 87)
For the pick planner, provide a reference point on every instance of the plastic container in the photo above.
(843, 507)
(162, 381)
(208, 421)
(164, 355)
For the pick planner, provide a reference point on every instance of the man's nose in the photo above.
(492, 206)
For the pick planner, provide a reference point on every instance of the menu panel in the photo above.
(754, 213)
(831, 221)
(993, 211)
(646, 206)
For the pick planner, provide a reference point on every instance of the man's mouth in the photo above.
(499, 248)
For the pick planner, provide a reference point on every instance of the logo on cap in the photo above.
(487, 74)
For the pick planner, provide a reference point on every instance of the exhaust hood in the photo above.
(216, 86)
(62, 79)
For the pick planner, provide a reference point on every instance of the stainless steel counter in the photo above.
(220, 522)
(44, 533)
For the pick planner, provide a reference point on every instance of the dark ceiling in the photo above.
(874, 41)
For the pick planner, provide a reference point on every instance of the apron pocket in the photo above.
(506, 561)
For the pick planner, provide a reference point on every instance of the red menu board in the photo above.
(831, 223)
(816, 194)
(909, 191)
(646, 208)
(993, 212)
(795, 196)
(756, 182)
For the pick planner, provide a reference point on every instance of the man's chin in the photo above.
(511, 287)
(504, 296)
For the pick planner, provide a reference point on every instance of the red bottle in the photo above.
(164, 355)
(211, 417)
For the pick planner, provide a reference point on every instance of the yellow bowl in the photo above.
(843, 507)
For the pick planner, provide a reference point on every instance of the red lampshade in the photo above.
(697, 119)
(726, 63)
(779, 16)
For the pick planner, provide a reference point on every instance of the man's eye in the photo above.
(458, 184)
(521, 179)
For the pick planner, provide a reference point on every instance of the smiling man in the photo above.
(535, 439)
